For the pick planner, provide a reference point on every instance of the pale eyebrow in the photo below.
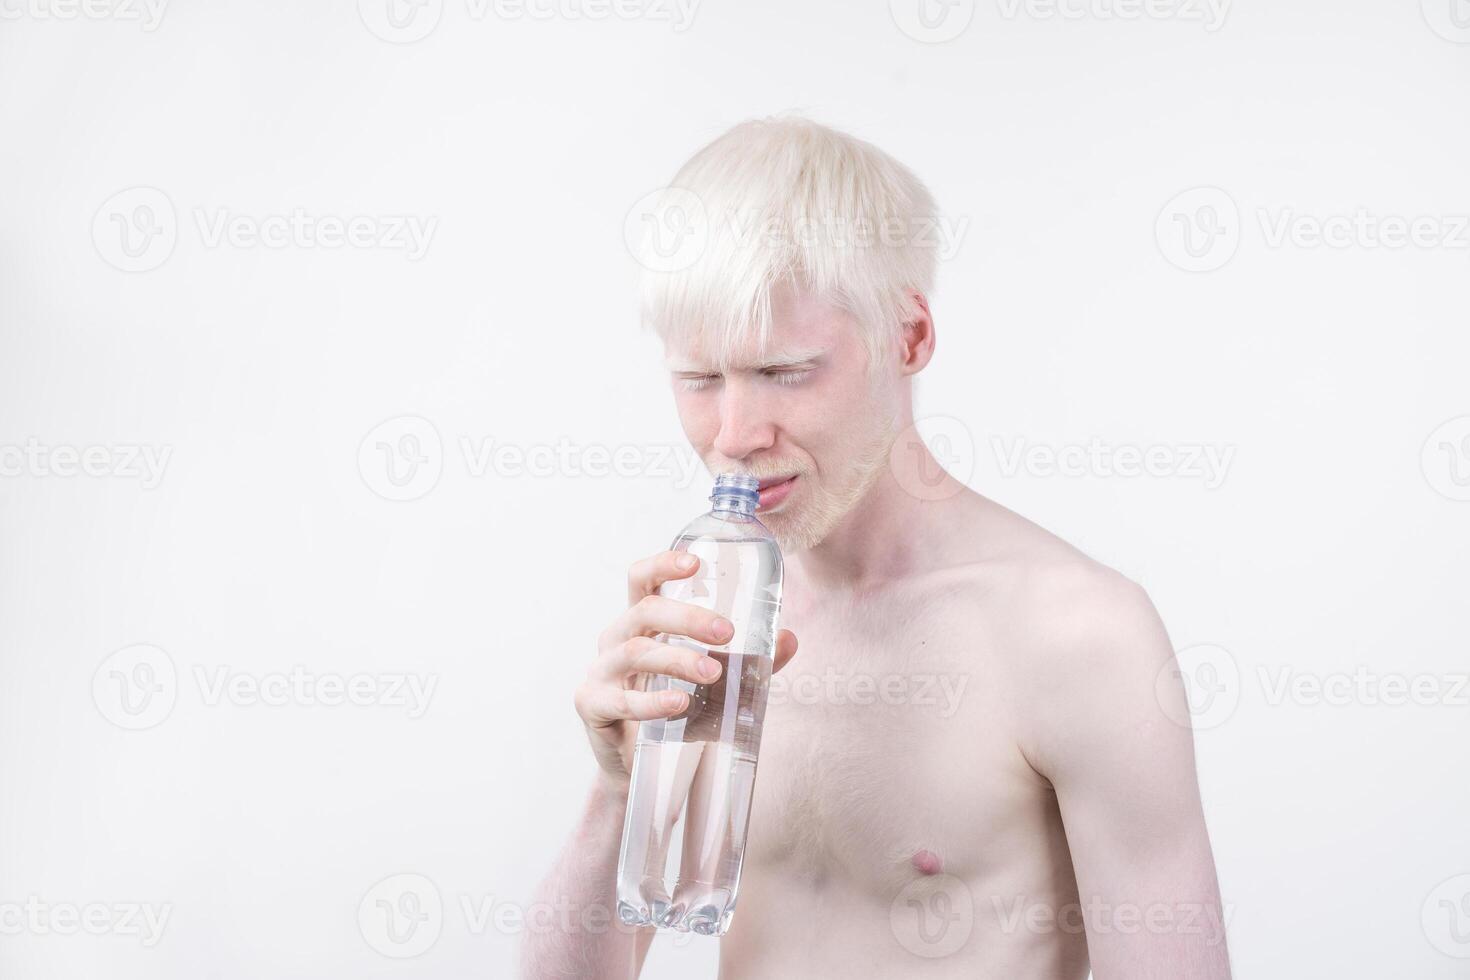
(782, 359)
(792, 358)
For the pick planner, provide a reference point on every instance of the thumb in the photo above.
(785, 649)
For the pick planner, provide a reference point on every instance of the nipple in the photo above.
(927, 862)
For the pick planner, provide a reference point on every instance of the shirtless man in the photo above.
(975, 768)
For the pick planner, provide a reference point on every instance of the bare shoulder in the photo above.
(1068, 624)
(1085, 650)
(1055, 597)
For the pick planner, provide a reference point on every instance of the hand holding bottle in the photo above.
(608, 699)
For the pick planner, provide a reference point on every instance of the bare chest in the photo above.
(887, 752)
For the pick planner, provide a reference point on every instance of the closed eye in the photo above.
(789, 376)
(694, 382)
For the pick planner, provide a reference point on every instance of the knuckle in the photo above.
(638, 571)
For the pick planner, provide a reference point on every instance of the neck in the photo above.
(895, 529)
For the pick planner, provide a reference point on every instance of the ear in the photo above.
(916, 343)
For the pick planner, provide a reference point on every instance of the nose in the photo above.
(745, 427)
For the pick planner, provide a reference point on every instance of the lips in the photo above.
(774, 490)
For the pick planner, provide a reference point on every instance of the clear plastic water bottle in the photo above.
(694, 774)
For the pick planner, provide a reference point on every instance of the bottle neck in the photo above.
(734, 503)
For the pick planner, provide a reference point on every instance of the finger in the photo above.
(601, 705)
(644, 577)
(655, 614)
(645, 655)
(785, 649)
(652, 657)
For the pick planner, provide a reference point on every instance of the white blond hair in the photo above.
(785, 200)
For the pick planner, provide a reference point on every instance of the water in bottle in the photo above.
(694, 773)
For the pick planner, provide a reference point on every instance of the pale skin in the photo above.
(974, 767)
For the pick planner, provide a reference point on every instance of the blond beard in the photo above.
(818, 516)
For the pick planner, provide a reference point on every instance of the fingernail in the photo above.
(670, 699)
(708, 668)
(724, 628)
(687, 561)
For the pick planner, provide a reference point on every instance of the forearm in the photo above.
(585, 938)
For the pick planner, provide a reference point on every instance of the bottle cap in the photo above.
(736, 485)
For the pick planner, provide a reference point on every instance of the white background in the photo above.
(1334, 545)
